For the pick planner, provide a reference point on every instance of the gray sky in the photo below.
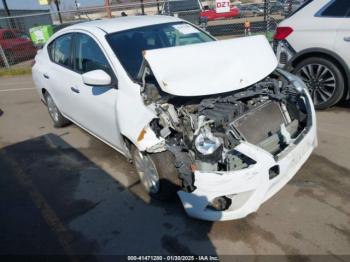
(33, 4)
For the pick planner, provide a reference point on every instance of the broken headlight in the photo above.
(206, 144)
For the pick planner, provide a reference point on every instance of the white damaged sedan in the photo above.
(214, 122)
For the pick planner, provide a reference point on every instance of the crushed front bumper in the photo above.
(249, 188)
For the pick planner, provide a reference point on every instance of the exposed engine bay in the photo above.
(203, 131)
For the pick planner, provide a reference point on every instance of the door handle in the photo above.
(46, 76)
(347, 39)
(76, 90)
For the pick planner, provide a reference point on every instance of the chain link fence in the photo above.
(248, 17)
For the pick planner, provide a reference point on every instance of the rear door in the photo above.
(58, 73)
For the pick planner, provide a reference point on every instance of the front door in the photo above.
(93, 107)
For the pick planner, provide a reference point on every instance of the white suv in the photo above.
(314, 43)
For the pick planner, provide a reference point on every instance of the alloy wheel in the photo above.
(147, 172)
(53, 110)
(320, 81)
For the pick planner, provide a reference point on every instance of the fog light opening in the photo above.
(220, 203)
(274, 171)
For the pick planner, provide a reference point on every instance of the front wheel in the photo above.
(323, 79)
(157, 173)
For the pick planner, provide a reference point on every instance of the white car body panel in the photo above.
(342, 41)
(249, 187)
(101, 104)
(224, 66)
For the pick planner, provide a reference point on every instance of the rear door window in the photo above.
(60, 50)
(335, 8)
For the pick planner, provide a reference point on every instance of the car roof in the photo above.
(124, 23)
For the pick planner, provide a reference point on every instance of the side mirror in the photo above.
(97, 78)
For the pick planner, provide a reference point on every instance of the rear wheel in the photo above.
(323, 79)
(157, 173)
(58, 119)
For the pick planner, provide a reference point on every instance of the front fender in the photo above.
(134, 118)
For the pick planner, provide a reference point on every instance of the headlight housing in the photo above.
(207, 144)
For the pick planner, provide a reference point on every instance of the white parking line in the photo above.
(16, 89)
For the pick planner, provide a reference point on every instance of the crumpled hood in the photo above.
(212, 67)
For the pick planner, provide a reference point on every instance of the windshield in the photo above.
(128, 45)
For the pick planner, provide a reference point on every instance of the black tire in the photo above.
(169, 181)
(58, 119)
(334, 72)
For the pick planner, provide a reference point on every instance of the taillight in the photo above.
(282, 32)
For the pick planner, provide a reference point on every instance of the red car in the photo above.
(16, 45)
(211, 14)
